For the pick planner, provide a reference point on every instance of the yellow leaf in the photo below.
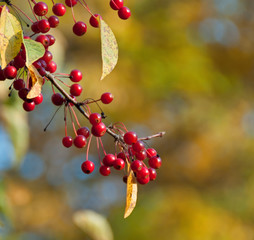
(37, 82)
(109, 49)
(10, 37)
(131, 194)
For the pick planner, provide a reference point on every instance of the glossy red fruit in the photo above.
(116, 4)
(84, 131)
(143, 173)
(99, 130)
(136, 165)
(79, 28)
(95, 118)
(80, 141)
(35, 28)
(76, 89)
(122, 155)
(19, 84)
(75, 75)
(39, 99)
(67, 141)
(43, 25)
(53, 21)
(155, 162)
(10, 72)
(152, 174)
(138, 146)
(28, 106)
(43, 39)
(151, 152)
(70, 3)
(130, 138)
(107, 98)
(87, 167)
(57, 99)
(2, 77)
(119, 164)
(23, 93)
(141, 155)
(51, 38)
(41, 9)
(108, 160)
(19, 62)
(93, 20)
(143, 181)
(105, 170)
(47, 57)
(51, 67)
(59, 9)
(124, 13)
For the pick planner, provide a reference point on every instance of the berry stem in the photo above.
(98, 149)
(102, 147)
(84, 5)
(88, 147)
(75, 116)
(65, 120)
(73, 124)
(32, 10)
(160, 134)
(23, 13)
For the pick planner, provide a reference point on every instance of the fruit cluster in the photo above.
(131, 151)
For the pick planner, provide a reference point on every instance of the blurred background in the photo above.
(185, 67)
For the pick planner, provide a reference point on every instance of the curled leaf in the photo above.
(131, 194)
(37, 82)
(34, 51)
(10, 37)
(109, 49)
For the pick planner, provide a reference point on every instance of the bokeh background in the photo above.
(185, 67)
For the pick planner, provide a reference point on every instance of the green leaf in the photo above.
(109, 49)
(34, 51)
(10, 37)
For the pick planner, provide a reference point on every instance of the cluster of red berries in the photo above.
(135, 154)
(123, 12)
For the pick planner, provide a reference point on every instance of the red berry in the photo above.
(116, 4)
(47, 57)
(70, 3)
(67, 141)
(125, 177)
(51, 67)
(107, 98)
(38, 100)
(119, 164)
(124, 13)
(99, 130)
(84, 131)
(108, 160)
(104, 170)
(43, 39)
(28, 106)
(151, 152)
(23, 93)
(35, 28)
(80, 141)
(93, 20)
(10, 72)
(43, 63)
(57, 99)
(59, 9)
(130, 137)
(19, 62)
(152, 174)
(155, 162)
(43, 25)
(143, 181)
(122, 155)
(79, 28)
(40, 9)
(53, 21)
(136, 165)
(87, 167)
(2, 77)
(95, 118)
(143, 173)
(75, 75)
(141, 155)
(51, 39)
(75, 89)
(138, 146)
(18, 84)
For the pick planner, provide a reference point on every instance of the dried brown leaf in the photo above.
(37, 82)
